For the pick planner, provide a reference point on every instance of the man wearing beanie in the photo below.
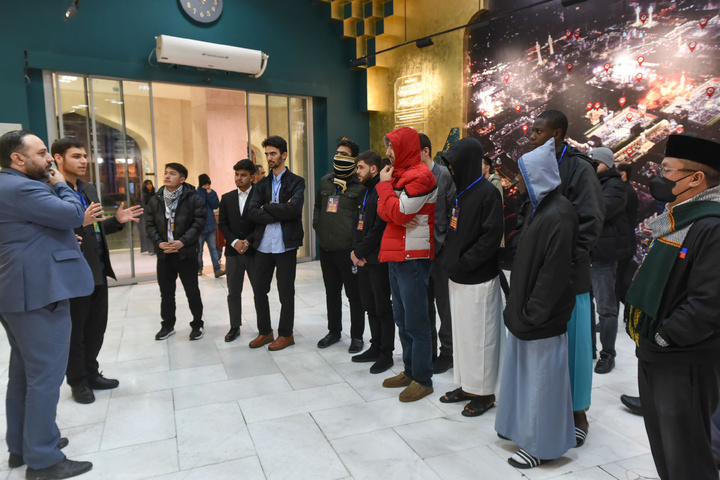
(672, 307)
(611, 247)
(212, 202)
(333, 220)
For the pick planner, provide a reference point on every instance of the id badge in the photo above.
(361, 221)
(332, 205)
(96, 227)
(172, 224)
(454, 217)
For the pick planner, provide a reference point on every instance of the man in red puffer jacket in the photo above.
(406, 202)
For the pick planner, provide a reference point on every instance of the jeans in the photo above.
(603, 283)
(209, 237)
(408, 284)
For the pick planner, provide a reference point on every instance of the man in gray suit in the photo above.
(38, 253)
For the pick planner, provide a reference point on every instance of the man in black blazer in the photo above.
(239, 233)
(89, 314)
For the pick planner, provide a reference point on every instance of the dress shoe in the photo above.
(16, 460)
(261, 340)
(605, 364)
(384, 362)
(232, 334)
(219, 273)
(82, 394)
(397, 381)
(369, 355)
(415, 392)
(281, 342)
(632, 403)
(356, 345)
(98, 382)
(200, 272)
(442, 364)
(328, 340)
(63, 469)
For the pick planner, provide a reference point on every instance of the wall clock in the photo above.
(203, 11)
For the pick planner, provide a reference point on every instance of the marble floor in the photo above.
(214, 410)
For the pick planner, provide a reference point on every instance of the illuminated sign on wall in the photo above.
(410, 104)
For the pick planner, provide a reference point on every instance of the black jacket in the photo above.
(580, 185)
(335, 230)
(189, 221)
(236, 225)
(542, 296)
(89, 244)
(288, 211)
(613, 242)
(366, 242)
(631, 213)
(470, 254)
(690, 301)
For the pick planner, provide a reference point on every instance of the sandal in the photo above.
(476, 407)
(580, 436)
(455, 396)
(523, 460)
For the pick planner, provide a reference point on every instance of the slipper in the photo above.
(580, 435)
(476, 407)
(523, 460)
(455, 396)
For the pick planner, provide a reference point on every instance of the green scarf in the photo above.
(669, 232)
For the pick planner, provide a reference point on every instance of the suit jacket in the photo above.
(234, 224)
(89, 240)
(40, 260)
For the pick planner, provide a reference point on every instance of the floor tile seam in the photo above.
(332, 447)
(175, 407)
(174, 437)
(310, 411)
(625, 471)
(622, 434)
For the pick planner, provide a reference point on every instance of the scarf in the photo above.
(171, 202)
(668, 231)
(343, 167)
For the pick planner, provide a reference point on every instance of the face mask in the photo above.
(662, 189)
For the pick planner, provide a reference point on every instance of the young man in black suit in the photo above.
(239, 233)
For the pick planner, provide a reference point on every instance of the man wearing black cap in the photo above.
(334, 221)
(211, 201)
(672, 311)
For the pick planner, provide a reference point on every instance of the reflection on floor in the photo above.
(214, 410)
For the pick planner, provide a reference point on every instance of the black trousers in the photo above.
(235, 268)
(337, 272)
(376, 300)
(168, 269)
(678, 401)
(265, 265)
(89, 317)
(439, 293)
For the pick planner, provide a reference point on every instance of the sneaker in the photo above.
(219, 273)
(197, 333)
(415, 392)
(605, 364)
(164, 333)
(397, 381)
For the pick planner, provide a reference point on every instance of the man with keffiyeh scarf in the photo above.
(334, 220)
(673, 311)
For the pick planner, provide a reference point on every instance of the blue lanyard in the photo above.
(466, 189)
(276, 191)
(78, 192)
(563, 154)
(366, 195)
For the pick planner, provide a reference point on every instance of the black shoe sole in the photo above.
(381, 369)
(322, 344)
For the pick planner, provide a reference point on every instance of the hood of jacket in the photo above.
(465, 158)
(539, 168)
(406, 145)
(608, 174)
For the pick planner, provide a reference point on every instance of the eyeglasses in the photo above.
(664, 170)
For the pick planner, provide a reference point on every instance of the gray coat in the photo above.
(443, 204)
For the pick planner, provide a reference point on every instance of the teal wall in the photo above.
(115, 39)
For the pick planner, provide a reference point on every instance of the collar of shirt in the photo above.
(276, 178)
(245, 193)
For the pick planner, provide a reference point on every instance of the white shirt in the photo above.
(242, 198)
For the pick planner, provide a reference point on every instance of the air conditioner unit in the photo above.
(194, 53)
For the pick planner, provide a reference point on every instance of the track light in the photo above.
(72, 10)
(567, 3)
(424, 42)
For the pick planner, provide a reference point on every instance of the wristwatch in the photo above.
(661, 341)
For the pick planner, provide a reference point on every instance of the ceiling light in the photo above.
(72, 10)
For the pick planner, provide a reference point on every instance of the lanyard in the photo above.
(466, 189)
(563, 154)
(366, 195)
(78, 192)
(276, 191)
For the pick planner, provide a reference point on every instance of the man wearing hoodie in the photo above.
(471, 261)
(535, 405)
(611, 247)
(407, 191)
(580, 185)
(212, 202)
(175, 219)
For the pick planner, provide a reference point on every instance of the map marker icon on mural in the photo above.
(589, 106)
(680, 130)
(568, 34)
(622, 101)
(703, 22)
(641, 59)
(629, 151)
(607, 67)
(692, 46)
(598, 105)
(525, 128)
(482, 112)
(577, 34)
(629, 116)
(569, 66)
(518, 108)
(710, 91)
(643, 17)
(507, 77)
(639, 76)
